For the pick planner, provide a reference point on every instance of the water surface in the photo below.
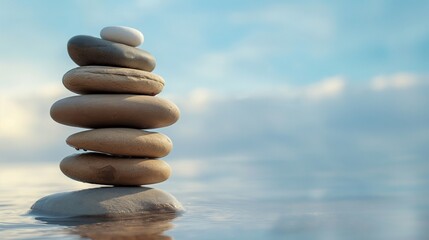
(235, 200)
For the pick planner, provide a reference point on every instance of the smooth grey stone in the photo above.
(87, 50)
(108, 201)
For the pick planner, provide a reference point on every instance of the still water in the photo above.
(235, 200)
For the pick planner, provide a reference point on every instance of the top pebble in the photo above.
(125, 35)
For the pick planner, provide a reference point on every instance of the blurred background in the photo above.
(308, 100)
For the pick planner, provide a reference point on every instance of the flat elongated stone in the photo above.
(111, 170)
(87, 50)
(103, 79)
(108, 201)
(115, 110)
(122, 141)
(126, 35)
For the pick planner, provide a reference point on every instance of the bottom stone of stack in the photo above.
(108, 201)
(114, 170)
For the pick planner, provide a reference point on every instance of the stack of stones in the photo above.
(116, 102)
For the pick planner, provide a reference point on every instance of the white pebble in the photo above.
(125, 35)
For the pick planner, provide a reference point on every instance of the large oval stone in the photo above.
(87, 50)
(115, 110)
(112, 170)
(122, 141)
(108, 201)
(102, 79)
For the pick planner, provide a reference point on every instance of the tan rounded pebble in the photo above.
(115, 110)
(122, 141)
(103, 79)
(111, 170)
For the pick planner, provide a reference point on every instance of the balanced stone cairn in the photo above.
(117, 102)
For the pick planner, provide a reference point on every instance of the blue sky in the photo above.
(230, 46)
(308, 86)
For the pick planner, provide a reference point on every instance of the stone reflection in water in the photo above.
(147, 226)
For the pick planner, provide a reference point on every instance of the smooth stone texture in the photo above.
(112, 170)
(87, 50)
(103, 79)
(122, 141)
(108, 201)
(125, 35)
(115, 110)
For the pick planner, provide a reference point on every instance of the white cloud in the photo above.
(325, 120)
(52, 91)
(187, 168)
(199, 99)
(324, 89)
(16, 121)
(395, 81)
(23, 78)
(25, 118)
(327, 88)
